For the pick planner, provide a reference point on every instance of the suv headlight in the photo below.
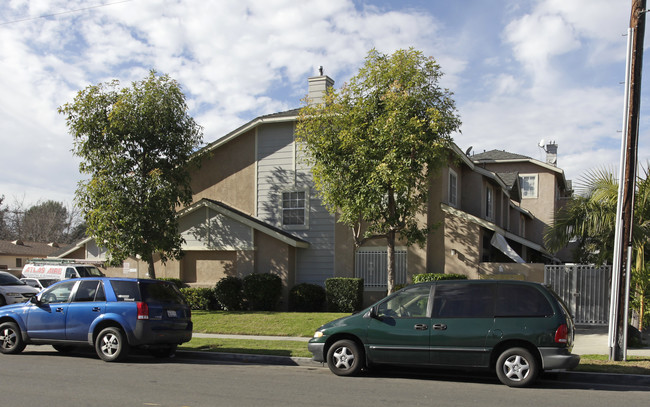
(318, 334)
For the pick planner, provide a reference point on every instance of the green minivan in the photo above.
(516, 328)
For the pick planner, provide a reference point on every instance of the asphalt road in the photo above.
(41, 376)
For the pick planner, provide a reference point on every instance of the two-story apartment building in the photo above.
(255, 210)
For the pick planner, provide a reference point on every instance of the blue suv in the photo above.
(110, 314)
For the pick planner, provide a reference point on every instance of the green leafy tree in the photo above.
(47, 221)
(375, 144)
(136, 144)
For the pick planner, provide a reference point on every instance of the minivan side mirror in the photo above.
(35, 300)
(372, 313)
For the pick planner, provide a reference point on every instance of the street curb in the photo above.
(566, 376)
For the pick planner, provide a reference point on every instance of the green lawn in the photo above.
(261, 323)
(304, 325)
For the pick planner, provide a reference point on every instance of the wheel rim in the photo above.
(110, 344)
(343, 358)
(8, 338)
(516, 368)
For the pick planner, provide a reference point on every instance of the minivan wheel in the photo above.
(10, 339)
(344, 358)
(111, 345)
(517, 367)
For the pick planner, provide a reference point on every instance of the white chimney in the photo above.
(318, 85)
(551, 153)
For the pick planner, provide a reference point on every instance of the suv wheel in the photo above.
(10, 339)
(344, 358)
(517, 367)
(111, 345)
(2, 300)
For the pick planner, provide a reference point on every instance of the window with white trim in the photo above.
(453, 188)
(294, 208)
(528, 184)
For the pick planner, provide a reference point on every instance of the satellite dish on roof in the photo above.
(541, 143)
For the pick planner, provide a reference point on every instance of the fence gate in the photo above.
(584, 288)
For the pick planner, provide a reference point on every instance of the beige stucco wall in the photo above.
(512, 271)
(227, 174)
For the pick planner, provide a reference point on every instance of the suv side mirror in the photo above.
(35, 300)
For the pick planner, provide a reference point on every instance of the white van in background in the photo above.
(59, 270)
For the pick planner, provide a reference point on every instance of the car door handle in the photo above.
(421, 327)
(59, 310)
(439, 327)
(96, 309)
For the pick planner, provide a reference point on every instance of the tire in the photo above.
(3, 302)
(11, 341)
(111, 345)
(344, 358)
(517, 367)
(164, 352)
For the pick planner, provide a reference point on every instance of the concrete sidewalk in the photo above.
(593, 341)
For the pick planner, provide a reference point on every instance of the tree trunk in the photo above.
(391, 261)
(151, 272)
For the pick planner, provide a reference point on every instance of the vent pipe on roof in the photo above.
(18, 243)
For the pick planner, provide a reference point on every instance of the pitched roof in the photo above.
(498, 155)
(251, 221)
(28, 249)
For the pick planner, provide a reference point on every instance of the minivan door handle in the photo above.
(59, 310)
(421, 327)
(439, 327)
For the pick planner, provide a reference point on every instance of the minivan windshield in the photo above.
(10, 279)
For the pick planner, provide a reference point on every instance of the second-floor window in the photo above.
(453, 188)
(489, 202)
(528, 185)
(294, 208)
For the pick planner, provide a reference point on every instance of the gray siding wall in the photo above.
(203, 229)
(280, 170)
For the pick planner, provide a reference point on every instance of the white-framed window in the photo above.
(453, 188)
(528, 184)
(489, 202)
(294, 208)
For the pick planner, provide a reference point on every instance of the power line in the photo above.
(64, 12)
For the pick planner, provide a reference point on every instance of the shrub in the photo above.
(307, 297)
(200, 298)
(344, 294)
(262, 292)
(228, 293)
(177, 281)
(423, 278)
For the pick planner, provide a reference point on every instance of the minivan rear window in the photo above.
(517, 300)
(464, 301)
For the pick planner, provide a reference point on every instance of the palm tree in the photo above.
(590, 219)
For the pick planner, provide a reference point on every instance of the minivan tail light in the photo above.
(143, 310)
(562, 334)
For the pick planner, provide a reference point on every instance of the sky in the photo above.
(521, 71)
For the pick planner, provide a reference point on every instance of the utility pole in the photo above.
(627, 186)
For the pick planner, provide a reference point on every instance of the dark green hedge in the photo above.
(344, 294)
(228, 293)
(262, 292)
(423, 278)
(200, 298)
(307, 297)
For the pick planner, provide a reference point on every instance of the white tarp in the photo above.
(500, 243)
